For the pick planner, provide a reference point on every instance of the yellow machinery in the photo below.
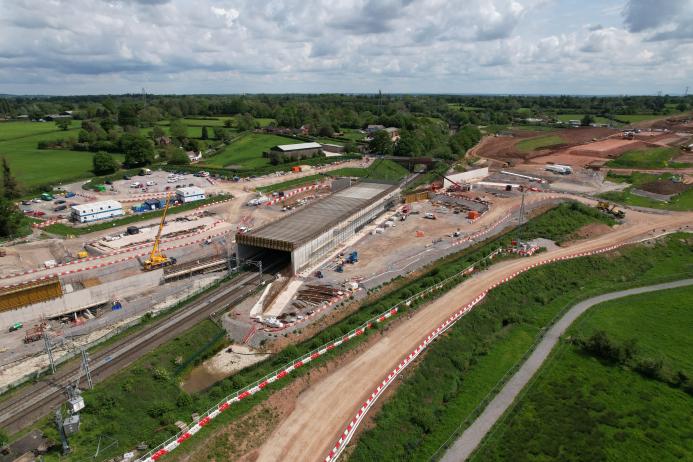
(610, 209)
(157, 259)
(82, 254)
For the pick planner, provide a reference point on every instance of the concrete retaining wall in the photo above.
(84, 298)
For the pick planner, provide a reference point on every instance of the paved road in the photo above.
(472, 436)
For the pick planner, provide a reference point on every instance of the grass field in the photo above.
(62, 229)
(567, 117)
(291, 184)
(679, 202)
(633, 118)
(647, 158)
(582, 408)
(532, 144)
(34, 167)
(462, 370)
(246, 152)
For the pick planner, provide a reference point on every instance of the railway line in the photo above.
(31, 403)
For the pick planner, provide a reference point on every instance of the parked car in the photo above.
(126, 177)
(108, 182)
(59, 208)
(151, 183)
(136, 184)
(26, 202)
(38, 213)
(16, 326)
(59, 201)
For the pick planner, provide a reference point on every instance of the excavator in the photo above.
(157, 259)
(610, 209)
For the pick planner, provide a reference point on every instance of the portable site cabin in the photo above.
(190, 194)
(94, 211)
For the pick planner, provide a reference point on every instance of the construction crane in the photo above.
(157, 259)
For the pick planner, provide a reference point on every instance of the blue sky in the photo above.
(419, 46)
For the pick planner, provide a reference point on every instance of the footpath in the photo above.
(475, 433)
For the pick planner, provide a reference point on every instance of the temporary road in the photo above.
(322, 411)
(34, 401)
(475, 433)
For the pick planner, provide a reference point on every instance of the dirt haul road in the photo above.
(322, 412)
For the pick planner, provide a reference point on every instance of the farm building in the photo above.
(94, 211)
(295, 151)
(310, 234)
(190, 194)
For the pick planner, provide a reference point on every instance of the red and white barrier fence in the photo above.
(46, 223)
(288, 194)
(113, 262)
(351, 427)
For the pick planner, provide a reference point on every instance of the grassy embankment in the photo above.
(379, 170)
(680, 202)
(143, 402)
(464, 369)
(35, 167)
(532, 144)
(648, 158)
(626, 397)
(62, 229)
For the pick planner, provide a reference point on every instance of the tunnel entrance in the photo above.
(272, 260)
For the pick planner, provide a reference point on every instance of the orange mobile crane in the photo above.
(157, 259)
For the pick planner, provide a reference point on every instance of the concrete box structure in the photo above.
(190, 194)
(308, 235)
(466, 177)
(94, 211)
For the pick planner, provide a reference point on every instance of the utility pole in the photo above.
(144, 96)
(685, 93)
(521, 218)
(380, 102)
(49, 351)
(85, 367)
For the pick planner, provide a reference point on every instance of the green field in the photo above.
(567, 117)
(633, 118)
(246, 152)
(465, 368)
(34, 167)
(647, 158)
(532, 144)
(583, 408)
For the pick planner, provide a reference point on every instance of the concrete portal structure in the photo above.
(308, 235)
(465, 177)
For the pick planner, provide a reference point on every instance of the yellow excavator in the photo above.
(157, 259)
(611, 209)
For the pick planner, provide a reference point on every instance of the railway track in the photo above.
(33, 402)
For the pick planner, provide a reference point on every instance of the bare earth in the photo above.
(321, 412)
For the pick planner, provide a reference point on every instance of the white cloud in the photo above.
(83, 46)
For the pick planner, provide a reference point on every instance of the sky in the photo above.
(346, 46)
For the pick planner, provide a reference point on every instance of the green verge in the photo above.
(150, 418)
(291, 184)
(579, 407)
(378, 170)
(648, 158)
(462, 370)
(62, 229)
(540, 142)
(679, 202)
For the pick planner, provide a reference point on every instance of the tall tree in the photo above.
(381, 143)
(63, 123)
(104, 163)
(138, 151)
(10, 187)
(178, 130)
(11, 218)
(205, 135)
